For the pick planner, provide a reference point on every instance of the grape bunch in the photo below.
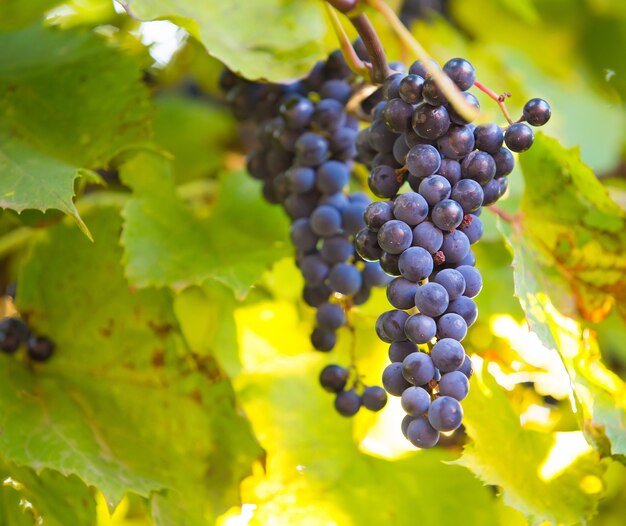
(304, 158)
(14, 333)
(423, 237)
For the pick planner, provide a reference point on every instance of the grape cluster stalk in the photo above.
(305, 157)
(423, 236)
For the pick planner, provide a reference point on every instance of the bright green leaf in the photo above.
(546, 480)
(167, 245)
(19, 13)
(48, 497)
(275, 40)
(123, 404)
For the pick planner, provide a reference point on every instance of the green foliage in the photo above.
(183, 382)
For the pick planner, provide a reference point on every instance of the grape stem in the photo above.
(498, 98)
(448, 88)
(355, 64)
(379, 67)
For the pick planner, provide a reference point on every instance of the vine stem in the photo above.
(380, 69)
(448, 88)
(355, 64)
(498, 98)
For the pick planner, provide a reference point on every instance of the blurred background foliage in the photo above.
(185, 389)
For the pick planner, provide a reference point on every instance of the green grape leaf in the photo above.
(17, 13)
(525, 463)
(578, 233)
(195, 133)
(45, 498)
(167, 245)
(569, 259)
(275, 40)
(95, 106)
(122, 404)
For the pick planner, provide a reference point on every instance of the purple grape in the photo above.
(447, 214)
(420, 329)
(421, 433)
(377, 214)
(427, 236)
(473, 280)
(416, 263)
(455, 246)
(401, 293)
(447, 355)
(418, 368)
(451, 280)
(431, 299)
(393, 380)
(410, 208)
(415, 401)
(395, 236)
(451, 326)
(454, 385)
(423, 160)
(434, 189)
(445, 414)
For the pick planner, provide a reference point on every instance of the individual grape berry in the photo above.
(469, 260)
(420, 329)
(418, 368)
(39, 348)
(504, 184)
(383, 181)
(457, 143)
(362, 295)
(519, 137)
(451, 170)
(451, 280)
(473, 280)
(537, 112)
(395, 236)
(397, 115)
(391, 86)
(366, 245)
(352, 218)
(314, 269)
(404, 425)
(381, 137)
(447, 355)
(13, 333)
(469, 194)
(332, 176)
(461, 72)
(374, 275)
(387, 159)
(431, 299)
(301, 179)
(401, 293)
(329, 115)
(456, 117)
(345, 279)
(451, 326)
(415, 264)
(427, 236)
(377, 214)
(430, 122)
(315, 295)
(466, 367)
(488, 137)
(337, 249)
(491, 192)
(400, 149)
(374, 398)
(330, 316)
(431, 92)
(415, 401)
(410, 89)
(423, 160)
(410, 208)
(300, 205)
(504, 162)
(347, 403)
(311, 150)
(323, 340)
(398, 351)
(393, 324)
(434, 188)
(473, 228)
(296, 111)
(421, 433)
(455, 246)
(445, 414)
(479, 166)
(447, 214)
(418, 68)
(326, 221)
(336, 89)
(389, 263)
(380, 330)
(393, 380)
(454, 385)
(333, 378)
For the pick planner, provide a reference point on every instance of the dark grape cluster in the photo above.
(304, 157)
(335, 379)
(423, 237)
(14, 333)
